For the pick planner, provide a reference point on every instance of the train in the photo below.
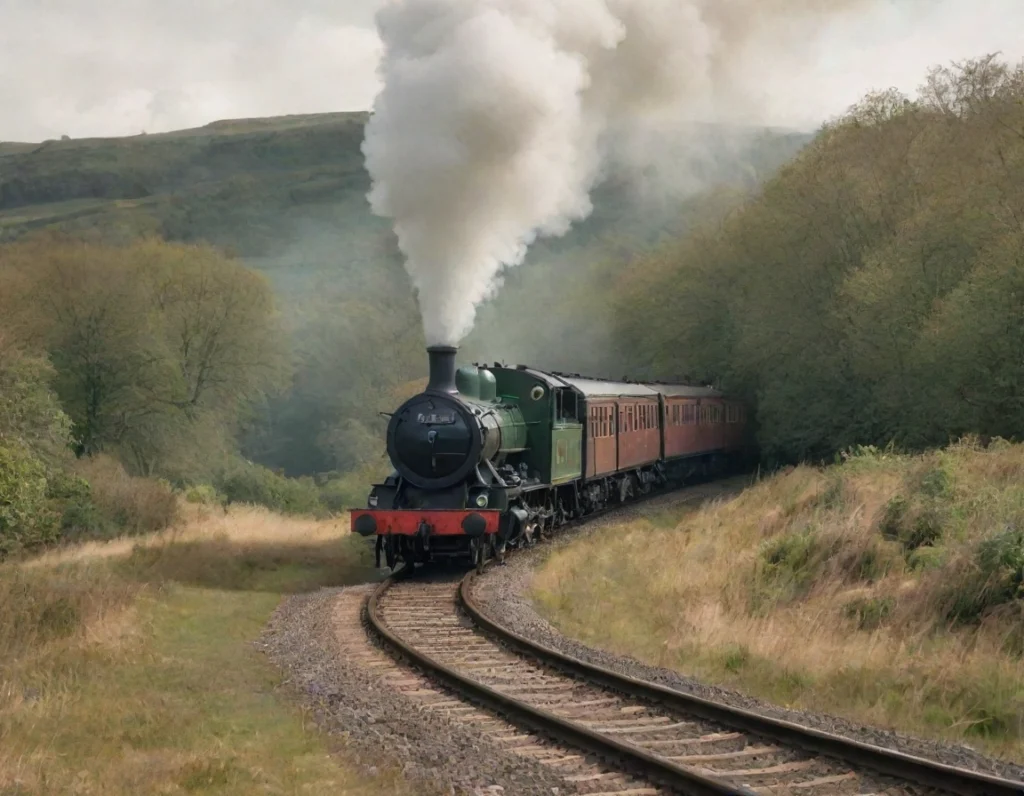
(490, 458)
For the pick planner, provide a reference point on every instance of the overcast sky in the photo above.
(118, 67)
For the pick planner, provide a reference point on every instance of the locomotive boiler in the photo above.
(491, 457)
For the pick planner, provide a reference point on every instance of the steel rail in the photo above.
(876, 758)
(624, 756)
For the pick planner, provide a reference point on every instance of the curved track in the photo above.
(636, 738)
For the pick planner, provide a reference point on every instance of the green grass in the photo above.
(134, 671)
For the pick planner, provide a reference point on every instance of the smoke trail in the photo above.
(488, 131)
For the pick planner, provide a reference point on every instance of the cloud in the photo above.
(888, 43)
(116, 67)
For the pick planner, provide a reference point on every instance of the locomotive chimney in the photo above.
(442, 368)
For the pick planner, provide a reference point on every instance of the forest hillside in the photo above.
(873, 291)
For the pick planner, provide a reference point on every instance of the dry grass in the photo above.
(127, 667)
(887, 589)
(135, 505)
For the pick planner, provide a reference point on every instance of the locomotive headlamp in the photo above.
(481, 500)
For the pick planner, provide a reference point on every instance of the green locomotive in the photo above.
(492, 457)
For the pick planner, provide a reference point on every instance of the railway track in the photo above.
(603, 733)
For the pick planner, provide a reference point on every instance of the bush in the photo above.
(204, 495)
(914, 524)
(251, 483)
(351, 489)
(128, 504)
(788, 566)
(71, 496)
(995, 577)
(27, 519)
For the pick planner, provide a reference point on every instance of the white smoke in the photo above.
(488, 132)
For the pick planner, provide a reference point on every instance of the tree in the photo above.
(871, 291)
(148, 340)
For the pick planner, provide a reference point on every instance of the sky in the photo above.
(121, 67)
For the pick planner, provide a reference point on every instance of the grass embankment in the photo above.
(887, 589)
(127, 667)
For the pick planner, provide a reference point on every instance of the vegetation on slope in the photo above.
(289, 196)
(147, 361)
(128, 669)
(888, 589)
(873, 290)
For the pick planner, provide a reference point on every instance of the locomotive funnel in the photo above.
(442, 369)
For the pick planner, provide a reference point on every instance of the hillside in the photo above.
(873, 290)
(232, 183)
(289, 196)
(886, 590)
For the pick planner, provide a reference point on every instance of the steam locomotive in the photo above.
(488, 458)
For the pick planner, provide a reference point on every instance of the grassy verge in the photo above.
(887, 589)
(127, 667)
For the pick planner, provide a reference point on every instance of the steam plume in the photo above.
(488, 132)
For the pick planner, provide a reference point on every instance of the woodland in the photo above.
(217, 312)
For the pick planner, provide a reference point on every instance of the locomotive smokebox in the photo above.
(442, 369)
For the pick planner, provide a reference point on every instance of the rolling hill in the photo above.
(288, 195)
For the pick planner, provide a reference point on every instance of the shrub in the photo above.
(350, 490)
(891, 523)
(27, 519)
(936, 482)
(204, 495)
(251, 483)
(913, 524)
(788, 566)
(129, 504)
(71, 496)
(994, 579)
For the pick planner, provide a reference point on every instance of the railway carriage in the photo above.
(488, 457)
